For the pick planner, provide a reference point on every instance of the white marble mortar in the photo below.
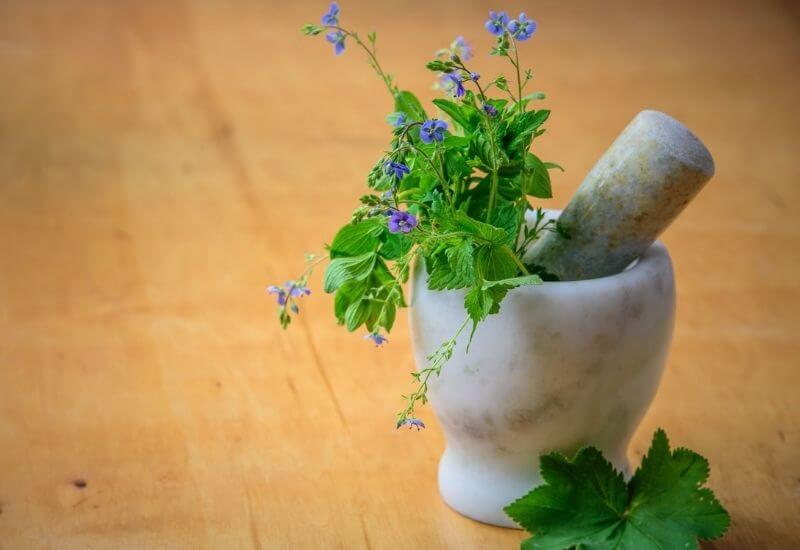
(563, 365)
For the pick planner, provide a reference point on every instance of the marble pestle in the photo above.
(636, 189)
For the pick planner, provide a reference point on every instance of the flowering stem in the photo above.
(437, 359)
(373, 58)
(519, 77)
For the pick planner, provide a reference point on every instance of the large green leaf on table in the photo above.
(406, 102)
(535, 178)
(357, 238)
(585, 503)
(342, 270)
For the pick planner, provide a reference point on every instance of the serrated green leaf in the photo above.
(585, 503)
(495, 263)
(478, 303)
(508, 218)
(453, 268)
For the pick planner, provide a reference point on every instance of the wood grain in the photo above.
(160, 162)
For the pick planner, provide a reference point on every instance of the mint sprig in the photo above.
(586, 503)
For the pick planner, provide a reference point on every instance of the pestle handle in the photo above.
(637, 188)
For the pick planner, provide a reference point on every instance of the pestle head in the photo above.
(638, 187)
(676, 139)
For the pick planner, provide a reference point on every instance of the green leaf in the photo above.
(514, 282)
(454, 111)
(408, 103)
(395, 245)
(349, 293)
(535, 178)
(478, 304)
(534, 95)
(440, 66)
(584, 502)
(452, 141)
(495, 263)
(508, 218)
(356, 314)
(342, 270)
(484, 231)
(357, 238)
(311, 30)
(453, 268)
(553, 166)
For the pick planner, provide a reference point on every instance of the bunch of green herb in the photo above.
(452, 192)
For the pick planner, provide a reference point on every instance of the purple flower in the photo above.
(452, 83)
(397, 119)
(411, 423)
(272, 289)
(474, 77)
(290, 289)
(461, 48)
(401, 222)
(397, 168)
(522, 28)
(296, 290)
(489, 109)
(497, 22)
(432, 130)
(376, 337)
(337, 39)
(331, 17)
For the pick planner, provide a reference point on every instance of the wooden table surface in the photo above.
(161, 162)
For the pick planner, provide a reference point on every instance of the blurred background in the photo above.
(162, 161)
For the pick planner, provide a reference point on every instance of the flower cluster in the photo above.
(521, 28)
(451, 190)
(286, 296)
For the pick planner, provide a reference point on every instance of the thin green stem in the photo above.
(373, 58)
(519, 77)
(492, 195)
(520, 265)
